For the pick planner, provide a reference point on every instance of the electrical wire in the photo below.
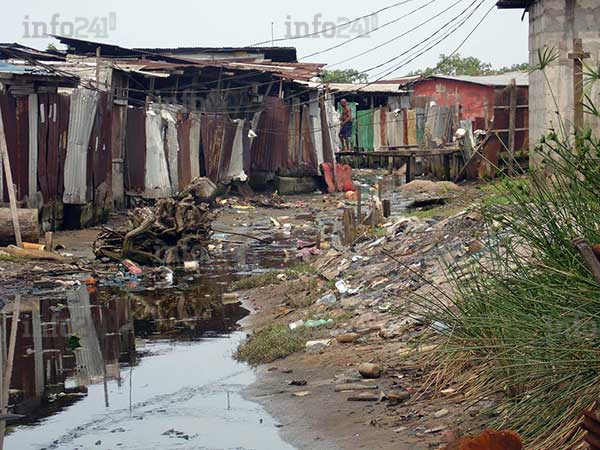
(335, 27)
(380, 27)
(395, 38)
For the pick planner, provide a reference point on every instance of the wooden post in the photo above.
(512, 126)
(578, 56)
(387, 208)
(98, 68)
(49, 241)
(410, 168)
(359, 206)
(349, 226)
(9, 183)
(447, 175)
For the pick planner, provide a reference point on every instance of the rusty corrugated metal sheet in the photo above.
(135, 167)
(102, 157)
(269, 149)
(227, 148)
(84, 103)
(285, 142)
(308, 153)
(64, 113)
(184, 127)
(20, 156)
(213, 132)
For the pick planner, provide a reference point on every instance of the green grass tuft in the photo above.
(270, 278)
(270, 344)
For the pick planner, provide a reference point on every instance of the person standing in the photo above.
(346, 126)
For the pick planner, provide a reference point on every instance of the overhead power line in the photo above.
(335, 27)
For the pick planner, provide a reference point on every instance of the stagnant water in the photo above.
(139, 367)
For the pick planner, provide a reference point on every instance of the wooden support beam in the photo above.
(578, 56)
(447, 175)
(387, 208)
(12, 196)
(349, 227)
(512, 126)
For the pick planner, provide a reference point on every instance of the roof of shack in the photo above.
(279, 54)
(514, 4)
(368, 88)
(521, 78)
(141, 60)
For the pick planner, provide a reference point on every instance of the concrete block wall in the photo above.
(554, 24)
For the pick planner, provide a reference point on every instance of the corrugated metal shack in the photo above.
(145, 122)
(476, 103)
(419, 113)
(36, 120)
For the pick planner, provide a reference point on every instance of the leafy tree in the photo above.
(343, 76)
(51, 48)
(469, 65)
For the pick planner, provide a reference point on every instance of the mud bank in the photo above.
(384, 273)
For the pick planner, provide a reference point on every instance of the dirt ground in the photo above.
(324, 419)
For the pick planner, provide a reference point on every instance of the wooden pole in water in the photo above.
(9, 183)
(7, 374)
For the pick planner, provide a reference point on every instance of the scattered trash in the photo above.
(317, 323)
(298, 383)
(191, 266)
(441, 413)
(365, 397)
(327, 300)
(301, 394)
(342, 287)
(355, 387)
(296, 325)
(231, 298)
(317, 346)
(132, 267)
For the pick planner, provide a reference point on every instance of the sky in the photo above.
(411, 26)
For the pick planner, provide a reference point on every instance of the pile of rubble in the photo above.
(172, 232)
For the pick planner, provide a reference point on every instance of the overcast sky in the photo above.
(500, 40)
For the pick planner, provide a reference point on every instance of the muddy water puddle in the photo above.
(133, 366)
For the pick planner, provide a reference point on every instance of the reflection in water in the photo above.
(86, 336)
(77, 351)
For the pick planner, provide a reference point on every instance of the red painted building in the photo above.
(477, 95)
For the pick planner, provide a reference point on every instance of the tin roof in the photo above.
(14, 50)
(23, 69)
(367, 88)
(522, 79)
(278, 54)
(136, 60)
(514, 4)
